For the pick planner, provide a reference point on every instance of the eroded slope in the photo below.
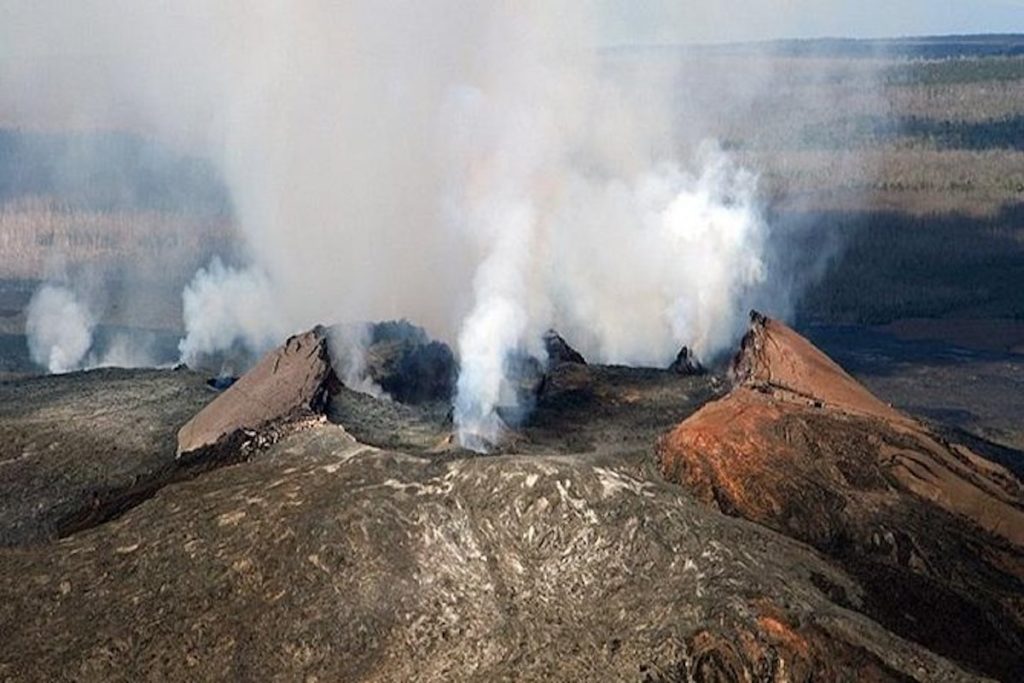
(68, 442)
(933, 531)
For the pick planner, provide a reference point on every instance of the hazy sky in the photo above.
(673, 21)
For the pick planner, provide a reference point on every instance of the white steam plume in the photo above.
(225, 307)
(124, 351)
(348, 344)
(479, 168)
(663, 260)
(59, 329)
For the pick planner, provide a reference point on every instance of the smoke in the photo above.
(630, 269)
(664, 260)
(59, 329)
(479, 168)
(226, 308)
(348, 344)
(63, 336)
(126, 350)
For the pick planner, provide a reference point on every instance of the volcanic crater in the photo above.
(770, 521)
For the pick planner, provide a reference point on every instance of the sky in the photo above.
(660, 22)
(633, 22)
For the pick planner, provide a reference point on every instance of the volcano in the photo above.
(776, 522)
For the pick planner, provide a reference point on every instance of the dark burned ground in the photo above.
(608, 409)
(980, 390)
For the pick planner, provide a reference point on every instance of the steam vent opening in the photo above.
(402, 394)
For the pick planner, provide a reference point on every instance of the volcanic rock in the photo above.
(291, 382)
(325, 559)
(321, 556)
(409, 366)
(933, 531)
(559, 350)
(71, 445)
(686, 364)
(774, 359)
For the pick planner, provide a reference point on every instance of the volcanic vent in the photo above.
(401, 395)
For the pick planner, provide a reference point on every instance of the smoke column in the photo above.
(224, 308)
(61, 326)
(475, 167)
(347, 344)
(59, 329)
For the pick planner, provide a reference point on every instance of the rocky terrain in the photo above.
(791, 528)
(73, 444)
(929, 527)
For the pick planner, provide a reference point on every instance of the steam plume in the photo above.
(348, 345)
(478, 168)
(224, 308)
(59, 329)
